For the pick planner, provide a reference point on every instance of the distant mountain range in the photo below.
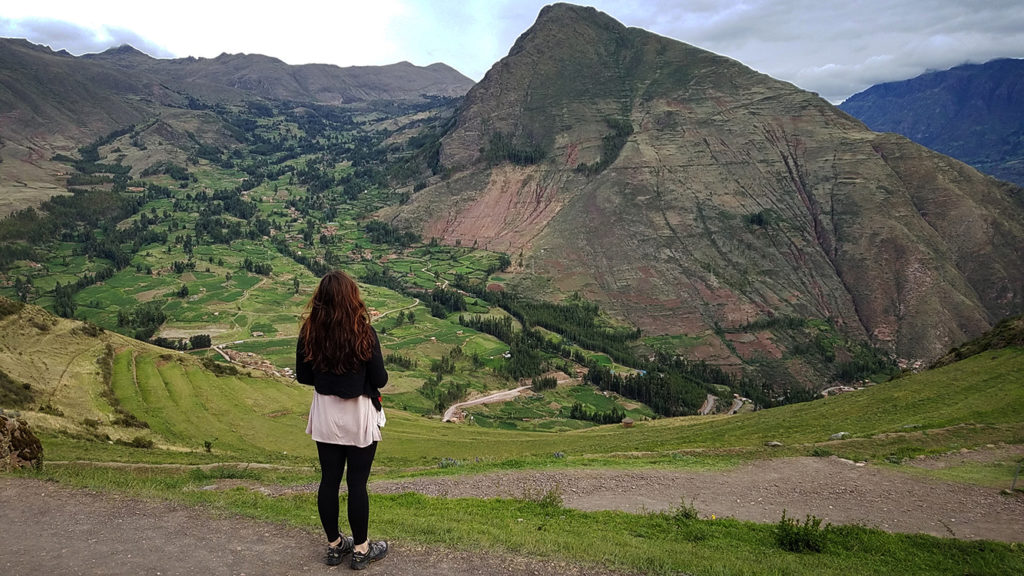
(54, 102)
(691, 195)
(974, 113)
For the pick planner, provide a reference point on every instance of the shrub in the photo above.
(51, 410)
(219, 368)
(552, 498)
(14, 393)
(448, 463)
(137, 442)
(808, 536)
(685, 512)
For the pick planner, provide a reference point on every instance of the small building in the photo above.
(257, 334)
(627, 422)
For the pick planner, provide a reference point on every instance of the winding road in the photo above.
(503, 396)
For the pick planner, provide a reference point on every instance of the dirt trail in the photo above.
(502, 396)
(50, 529)
(838, 491)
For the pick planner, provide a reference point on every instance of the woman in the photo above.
(338, 353)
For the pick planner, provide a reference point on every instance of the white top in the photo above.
(346, 421)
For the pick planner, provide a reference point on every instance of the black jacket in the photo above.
(368, 379)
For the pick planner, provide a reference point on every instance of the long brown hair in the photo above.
(336, 326)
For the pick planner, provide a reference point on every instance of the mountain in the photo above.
(53, 102)
(974, 113)
(690, 195)
(237, 75)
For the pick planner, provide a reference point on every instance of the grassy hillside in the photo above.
(187, 408)
(184, 405)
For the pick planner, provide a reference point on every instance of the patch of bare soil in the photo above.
(51, 529)
(835, 490)
(989, 456)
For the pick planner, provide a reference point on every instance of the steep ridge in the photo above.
(691, 195)
(974, 113)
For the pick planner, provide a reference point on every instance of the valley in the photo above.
(643, 310)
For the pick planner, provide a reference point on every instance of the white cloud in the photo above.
(831, 47)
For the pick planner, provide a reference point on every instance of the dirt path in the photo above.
(838, 491)
(50, 529)
(708, 406)
(502, 396)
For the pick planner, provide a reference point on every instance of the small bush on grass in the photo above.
(552, 498)
(685, 512)
(51, 410)
(808, 536)
(218, 368)
(127, 419)
(137, 442)
(223, 473)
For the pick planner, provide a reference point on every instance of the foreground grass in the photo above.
(664, 543)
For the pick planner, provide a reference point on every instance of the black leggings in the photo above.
(332, 465)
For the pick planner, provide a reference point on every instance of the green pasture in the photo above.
(261, 418)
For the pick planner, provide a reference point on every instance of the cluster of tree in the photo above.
(261, 268)
(193, 343)
(380, 232)
(402, 317)
(89, 179)
(318, 267)
(579, 412)
(667, 393)
(175, 171)
(382, 276)
(447, 363)
(611, 146)
(866, 360)
(400, 360)
(543, 383)
(503, 148)
(180, 266)
(443, 301)
(143, 320)
(23, 287)
(64, 301)
(443, 394)
(576, 320)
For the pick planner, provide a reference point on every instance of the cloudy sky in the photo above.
(835, 48)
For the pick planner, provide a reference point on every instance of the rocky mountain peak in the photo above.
(685, 191)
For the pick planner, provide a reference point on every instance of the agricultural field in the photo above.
(230, 245)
